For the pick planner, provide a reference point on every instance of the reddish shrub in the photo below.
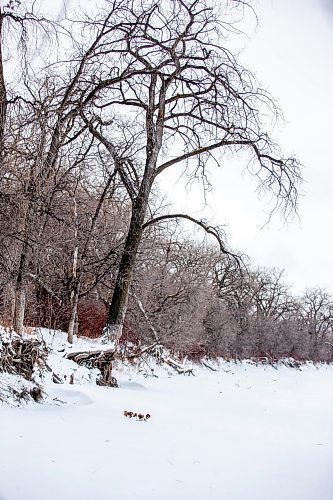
(92, 317)
(195, 352)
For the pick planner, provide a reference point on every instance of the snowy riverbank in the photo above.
(241, 433)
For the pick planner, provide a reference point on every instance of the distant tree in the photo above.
(172, 281)
(316, 315)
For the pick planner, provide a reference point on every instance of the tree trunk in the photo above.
(19, 310)
(114, 327)
(72, 327)
(3, 93)
(74, 298)
(117, 310)
(20, 298)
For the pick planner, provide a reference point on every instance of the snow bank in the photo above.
(243, 432)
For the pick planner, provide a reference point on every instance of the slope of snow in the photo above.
(241, 433)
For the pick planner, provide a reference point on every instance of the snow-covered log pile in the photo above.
(20, 357)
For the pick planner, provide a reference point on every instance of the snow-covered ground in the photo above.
(241, 433)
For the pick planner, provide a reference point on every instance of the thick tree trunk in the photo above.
(118, 306)
(117, 310)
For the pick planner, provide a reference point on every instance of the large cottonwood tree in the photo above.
(170, 94)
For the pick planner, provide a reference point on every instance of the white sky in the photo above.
(291, 54)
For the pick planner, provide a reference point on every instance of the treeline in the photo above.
(198, 301)
(92, 110)
(204, 304)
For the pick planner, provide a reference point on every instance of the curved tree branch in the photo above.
(214, 231)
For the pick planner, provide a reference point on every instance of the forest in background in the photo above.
(70, 188)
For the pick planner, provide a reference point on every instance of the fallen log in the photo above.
(181, 369)
(100, 359)
(207, 365)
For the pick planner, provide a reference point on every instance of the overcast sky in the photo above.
(290, 51)
(291, 54)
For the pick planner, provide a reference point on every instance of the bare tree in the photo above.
(20, 27)
(173, 283)
(316, 316)
(171, 95)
